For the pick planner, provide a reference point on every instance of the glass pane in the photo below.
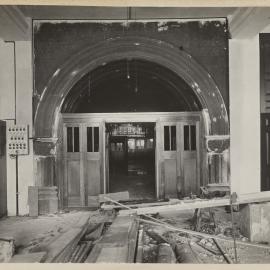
(193, 137)
(76, 139)
(166, 138)
(89, 140)
(69, 140)
(96, 139)
(186, 138)
(173, 138)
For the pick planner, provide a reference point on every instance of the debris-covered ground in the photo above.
(36, 234)
(155, 242)
(202, 250)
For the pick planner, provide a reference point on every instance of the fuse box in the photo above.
(17, 140)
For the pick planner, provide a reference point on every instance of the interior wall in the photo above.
(7, 111)
(244, 74)
(23, 113)
(24, 116)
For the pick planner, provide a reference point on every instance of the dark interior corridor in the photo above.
(132, 159)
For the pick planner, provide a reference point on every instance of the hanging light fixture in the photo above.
(136, 78)
(89, 87)
(128, 75)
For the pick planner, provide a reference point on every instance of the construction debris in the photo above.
(165, 254)
(35, 257)
(7, 248)
(117, 196)
(118, 244)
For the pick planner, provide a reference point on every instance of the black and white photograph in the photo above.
(136, 134)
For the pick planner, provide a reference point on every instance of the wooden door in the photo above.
(265, 151)
(179, 159)
(73, 156)
(189, 157)
(3, 170)
(93, 161)
(169, 156)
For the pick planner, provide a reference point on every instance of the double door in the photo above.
(86, 157)
(179, 160)
(83, 157)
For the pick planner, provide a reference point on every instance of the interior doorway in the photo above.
(132, 159)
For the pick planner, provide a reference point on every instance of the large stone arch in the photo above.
(49, 106)
(47, 126)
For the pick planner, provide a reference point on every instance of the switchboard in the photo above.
(17, 140)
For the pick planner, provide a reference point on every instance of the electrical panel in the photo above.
(17, 140)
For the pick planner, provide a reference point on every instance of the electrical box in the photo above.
(17, 140)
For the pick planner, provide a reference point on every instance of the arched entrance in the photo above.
(200, 92)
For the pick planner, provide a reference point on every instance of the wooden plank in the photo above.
(132, 241)
(226, 257)
(93, 256)
(117, 196)
(79, 253)
(200, 203)
(96, 234)
(204, 235)
(165, 254)
(112, 255)
(139, 254)
(74, 254)
(176, 207)
(65, 244)
(118, 244)
(85, 252)
(35, 257)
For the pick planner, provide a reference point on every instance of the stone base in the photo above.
(255, 221)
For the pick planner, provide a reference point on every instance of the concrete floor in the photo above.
(140, 187)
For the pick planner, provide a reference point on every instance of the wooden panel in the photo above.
(190, 176)
(3, 170)
(73, 179)
(170, 178)
(265, 151)
(93, 177)
(33, 201)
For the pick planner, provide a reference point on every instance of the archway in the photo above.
(181, 63)
(57, 95)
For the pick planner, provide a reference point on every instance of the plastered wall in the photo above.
(22, 113)
(244, 79)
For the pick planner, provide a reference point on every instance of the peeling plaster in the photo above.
(207, 121)
(56, 72)
(74, 72)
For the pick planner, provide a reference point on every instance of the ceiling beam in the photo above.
(13, 24)
(247, 22)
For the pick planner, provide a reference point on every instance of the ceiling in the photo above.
(128, 86)
(244, 22)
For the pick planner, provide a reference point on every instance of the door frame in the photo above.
(140, 117)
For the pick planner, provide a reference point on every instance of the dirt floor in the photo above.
(34, 234)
